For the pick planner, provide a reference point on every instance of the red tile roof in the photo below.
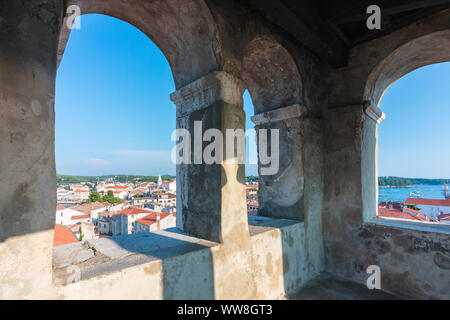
(428, 202)
(411, 210)
(58, 208)
(396, 213)
(88, 207)
(151, 218)
(139, 190)
(84, 216)
(63, 235)
(133, 210)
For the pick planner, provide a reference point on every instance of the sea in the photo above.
(401, 194)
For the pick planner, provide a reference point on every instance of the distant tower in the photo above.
(159, 182)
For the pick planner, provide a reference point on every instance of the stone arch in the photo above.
(425, 50)
(184, 31)
(271, 75)
(274, 83)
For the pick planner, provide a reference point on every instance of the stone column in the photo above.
(281, 194)
(211, 200)
(28, 44)
(372, 118)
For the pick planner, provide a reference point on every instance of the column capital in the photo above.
(365, 108)
(373, 112)
(292, 111)
(203, 92)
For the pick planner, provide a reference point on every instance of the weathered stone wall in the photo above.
(28, 42)
(200, 42)
(164, 265)
(414, 259)
(280, 74)
(413, 263)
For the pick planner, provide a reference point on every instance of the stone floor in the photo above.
(328, 287)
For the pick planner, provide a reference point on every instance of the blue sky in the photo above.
(414, 139)
(114, 115)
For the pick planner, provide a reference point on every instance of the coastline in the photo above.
(411, 186)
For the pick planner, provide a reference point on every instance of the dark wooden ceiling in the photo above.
(331, 28)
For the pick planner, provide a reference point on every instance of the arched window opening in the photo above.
(413, 148)
(113, 127)
(251, 161)
(274, 96)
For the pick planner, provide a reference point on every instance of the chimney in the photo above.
(158, 219)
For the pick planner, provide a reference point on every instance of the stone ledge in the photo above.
(411, 225)
(260, 224)
(73, 253)
(370, 110)
(117, 253)
(283, 113)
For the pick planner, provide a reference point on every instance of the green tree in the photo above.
(109, 197)
(94, 196)
(81, 234)
(413, 206)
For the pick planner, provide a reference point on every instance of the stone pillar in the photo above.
(372, 117)
(281, 194)
(351, 155)
(28, 44)
(211, 200)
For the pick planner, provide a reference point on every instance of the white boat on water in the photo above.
(415, 194)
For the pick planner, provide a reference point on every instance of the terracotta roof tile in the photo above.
(428, 202)
(84, 216)
(399, 214)
(151, 218)
(133, 210)
(63, 235)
